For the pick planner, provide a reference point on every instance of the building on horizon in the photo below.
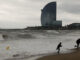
(74, 26)
(48, 15)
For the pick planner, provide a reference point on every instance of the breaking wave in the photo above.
(34, 34)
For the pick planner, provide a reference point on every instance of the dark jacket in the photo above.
(59, 45)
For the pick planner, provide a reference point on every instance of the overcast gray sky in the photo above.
(23, 13)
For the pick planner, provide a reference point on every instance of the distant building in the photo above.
(74, 26)
(48, 15)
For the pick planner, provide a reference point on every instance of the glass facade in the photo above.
(48, 15)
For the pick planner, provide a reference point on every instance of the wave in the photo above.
(34, 34)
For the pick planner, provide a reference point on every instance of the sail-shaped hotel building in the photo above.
(48, 15)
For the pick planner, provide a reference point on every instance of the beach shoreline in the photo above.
(67, 56)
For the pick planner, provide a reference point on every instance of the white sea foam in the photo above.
(36, 43)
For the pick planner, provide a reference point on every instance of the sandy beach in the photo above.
(68, 56)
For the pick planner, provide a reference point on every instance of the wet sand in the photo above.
(68, 56)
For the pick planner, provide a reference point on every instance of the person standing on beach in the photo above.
(58, 47)
(78, 42)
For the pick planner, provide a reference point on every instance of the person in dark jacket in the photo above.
(78, 42)
(58, 47)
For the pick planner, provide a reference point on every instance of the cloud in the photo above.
(23, 13)
(69, 11)
(71, 6)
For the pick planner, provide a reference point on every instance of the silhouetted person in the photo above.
(58, 47)
(78, 42)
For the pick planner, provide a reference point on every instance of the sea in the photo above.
(33, 44)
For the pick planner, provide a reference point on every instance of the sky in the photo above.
(24, 13)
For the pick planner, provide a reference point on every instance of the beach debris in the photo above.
(16, 55)
(5, 36)
(8, 47)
